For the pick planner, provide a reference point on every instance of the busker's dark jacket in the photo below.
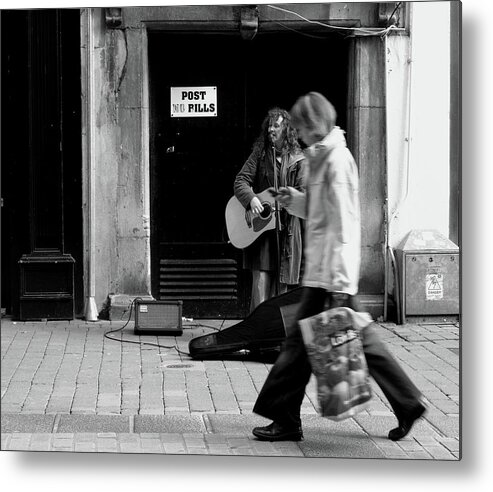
(256, 175)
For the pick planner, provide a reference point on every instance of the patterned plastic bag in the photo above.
(334, 348)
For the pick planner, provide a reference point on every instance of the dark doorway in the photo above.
(194, 160)
(41, 144)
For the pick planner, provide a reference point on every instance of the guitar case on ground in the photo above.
(264, 329)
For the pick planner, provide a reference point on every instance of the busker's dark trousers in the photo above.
(283, 391)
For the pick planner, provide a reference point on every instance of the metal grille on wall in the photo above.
(198, 279)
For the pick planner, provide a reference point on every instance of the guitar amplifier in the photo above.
(158, 318)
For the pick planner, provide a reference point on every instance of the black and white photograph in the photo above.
(233, 231)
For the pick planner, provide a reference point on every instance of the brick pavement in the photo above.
(67, 388)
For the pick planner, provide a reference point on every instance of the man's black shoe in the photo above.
(406, 424)
(276, 432)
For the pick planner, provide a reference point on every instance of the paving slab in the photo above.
(234, 424)
(312, 426)
(14, 422)
(93, 423)
(339, 446)
(179, 424)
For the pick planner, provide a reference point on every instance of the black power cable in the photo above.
(139, 342)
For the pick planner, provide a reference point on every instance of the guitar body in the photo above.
(242, 233)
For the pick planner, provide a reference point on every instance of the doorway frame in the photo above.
(128, 272)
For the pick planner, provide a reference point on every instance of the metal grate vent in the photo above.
(202, 279)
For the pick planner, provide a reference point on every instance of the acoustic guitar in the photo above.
(243, 226)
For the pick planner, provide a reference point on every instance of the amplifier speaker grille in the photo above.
(158, 318)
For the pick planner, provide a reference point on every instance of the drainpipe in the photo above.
(389, 218)
(89, 181)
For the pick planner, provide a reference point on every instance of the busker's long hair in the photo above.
(290, 142)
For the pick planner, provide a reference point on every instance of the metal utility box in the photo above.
(429, 277)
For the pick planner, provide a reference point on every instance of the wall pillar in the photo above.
(366, 140)
(116, 167)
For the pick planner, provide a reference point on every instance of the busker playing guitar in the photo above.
(257, 175)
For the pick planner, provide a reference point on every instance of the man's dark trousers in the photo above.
(284, 389)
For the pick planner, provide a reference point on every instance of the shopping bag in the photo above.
(334, 348)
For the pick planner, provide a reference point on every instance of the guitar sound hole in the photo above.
(266, 212)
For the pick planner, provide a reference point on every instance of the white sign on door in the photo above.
(192, 102)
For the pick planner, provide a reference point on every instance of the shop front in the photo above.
(173, 101)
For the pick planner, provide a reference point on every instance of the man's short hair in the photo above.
(315, 113)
